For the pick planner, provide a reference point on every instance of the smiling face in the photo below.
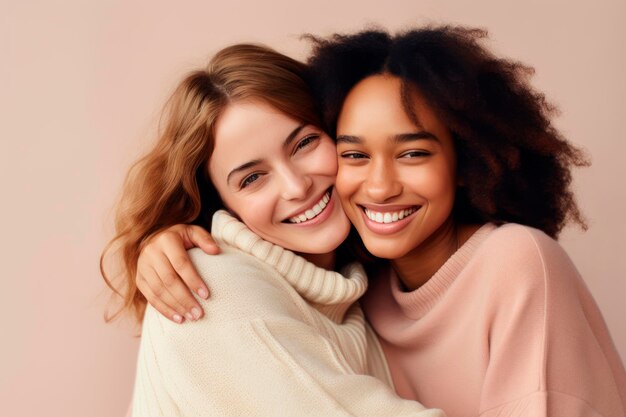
(396, 179)
(277, 175)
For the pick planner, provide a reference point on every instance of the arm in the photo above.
(166, 276)
(550, 350)
(256, 353)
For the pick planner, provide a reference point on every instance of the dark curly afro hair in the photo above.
(514, 165)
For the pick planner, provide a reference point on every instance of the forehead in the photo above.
(375, 105)
(249, 124)
(374, 99)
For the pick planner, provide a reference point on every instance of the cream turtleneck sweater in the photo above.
(280, 337)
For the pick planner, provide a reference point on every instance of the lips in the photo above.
(313, 211)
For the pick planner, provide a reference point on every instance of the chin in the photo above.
(326, 244)
(383, 254)
(385, 250)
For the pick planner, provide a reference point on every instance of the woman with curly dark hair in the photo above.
(457, 183)
(450, 167)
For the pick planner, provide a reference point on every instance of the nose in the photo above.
(381, 184)
(295, 185)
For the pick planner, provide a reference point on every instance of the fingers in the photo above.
(166, 275)
(171, 260)
(155, 272)
(177, 280)
(156, 302)
(197, 236)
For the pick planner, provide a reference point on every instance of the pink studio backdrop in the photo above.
(82, 84)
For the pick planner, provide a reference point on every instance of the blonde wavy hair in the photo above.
(170, 184)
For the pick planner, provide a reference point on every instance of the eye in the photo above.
(306, 141)
(249, 180)
(353, 155)
(415, 154)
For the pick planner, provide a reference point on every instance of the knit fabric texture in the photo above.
(506, 327)
(280, 337)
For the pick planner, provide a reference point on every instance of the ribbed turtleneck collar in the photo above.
(315, 284)
(417, 303)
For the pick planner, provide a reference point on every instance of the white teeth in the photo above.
(389, 217)
(313, 211)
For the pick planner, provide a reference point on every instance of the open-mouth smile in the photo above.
(313, 211)
(389, 216)
(386, 222)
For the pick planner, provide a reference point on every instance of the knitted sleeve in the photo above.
(550, 353)
(255, 353)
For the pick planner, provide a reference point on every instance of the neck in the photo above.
(322, 260)
(416, 267)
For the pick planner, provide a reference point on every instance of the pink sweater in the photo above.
(505, 328)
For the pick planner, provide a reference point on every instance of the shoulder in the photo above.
(229, 261)
(244, 291)
(518, 246)
(244, 288)
(234, 269)
(544, 317)
(522, 261)
(520, 240)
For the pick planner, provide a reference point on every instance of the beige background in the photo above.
(81, 86)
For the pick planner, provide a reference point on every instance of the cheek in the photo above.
(323, 160)
(346, 181)
(439, 187)
(255, 210)
(347, 186)
(446, 183)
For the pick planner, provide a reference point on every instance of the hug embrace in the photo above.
(385, 218)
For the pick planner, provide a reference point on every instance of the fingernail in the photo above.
(203, 293)
(196, 312)
(178, 318)
(189, 316)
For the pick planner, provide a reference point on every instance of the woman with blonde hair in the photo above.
(241, 153)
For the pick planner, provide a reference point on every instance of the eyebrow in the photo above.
(399, 138)
(409, 137)
(288, 140)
